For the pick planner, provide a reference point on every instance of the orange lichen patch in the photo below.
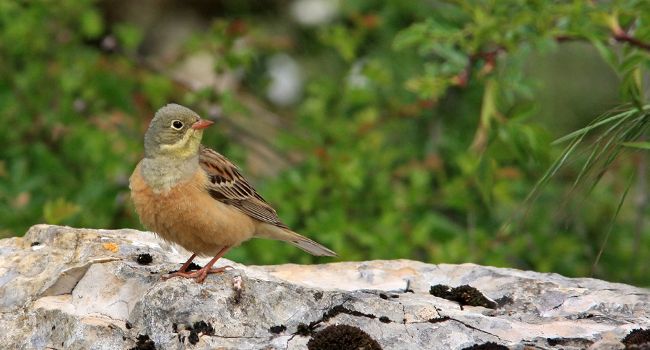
(111, 246)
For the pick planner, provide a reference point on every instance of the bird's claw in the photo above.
(198, 275)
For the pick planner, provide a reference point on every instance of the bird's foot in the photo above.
(198, 275)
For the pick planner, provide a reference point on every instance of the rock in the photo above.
(65, 288)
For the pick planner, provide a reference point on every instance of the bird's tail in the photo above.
(302, 242)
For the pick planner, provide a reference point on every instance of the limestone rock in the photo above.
(65, 288)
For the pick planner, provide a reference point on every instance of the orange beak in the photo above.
(202, 124)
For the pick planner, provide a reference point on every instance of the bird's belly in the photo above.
(188, 216)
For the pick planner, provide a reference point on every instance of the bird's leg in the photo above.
(201, 274)
(207, 269)
(187, 263)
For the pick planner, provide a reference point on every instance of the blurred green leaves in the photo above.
(57, 211)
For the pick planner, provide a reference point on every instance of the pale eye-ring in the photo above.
(177, 124)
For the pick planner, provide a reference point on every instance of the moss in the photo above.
(439, 319)
(487, 346)
(200, 327)
(504, 300)
(277, 329)
(440, 291)
(191, 267)
(203, 327)
(580, 343)
(193, 338)
(144, 259)
(304, 330)
(144, 343)
(464, 295)
(342, 337)
(637, 339)
(340, 309)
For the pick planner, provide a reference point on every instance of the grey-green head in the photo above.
(175, 132)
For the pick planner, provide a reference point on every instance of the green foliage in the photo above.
(417, 134)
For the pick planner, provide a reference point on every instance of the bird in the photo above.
(193, 196)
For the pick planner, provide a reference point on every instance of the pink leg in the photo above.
(187, 263)
(201, 274)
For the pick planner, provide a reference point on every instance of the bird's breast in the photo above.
(187, 215)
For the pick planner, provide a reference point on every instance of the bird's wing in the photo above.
(228, 186)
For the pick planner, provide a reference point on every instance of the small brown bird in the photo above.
(193, 196)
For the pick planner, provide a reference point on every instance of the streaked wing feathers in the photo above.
(227, 185)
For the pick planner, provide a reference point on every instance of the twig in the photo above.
(618, 34)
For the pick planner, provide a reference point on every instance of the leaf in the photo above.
(92, 24)
(639, 144)
(611, 227)
(129, 36)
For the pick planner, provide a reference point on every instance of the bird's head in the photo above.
(175, 131)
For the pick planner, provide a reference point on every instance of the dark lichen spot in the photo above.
(304, 330)
(277, 329)
(200, 327)
(128, 325)
(573, 342)
(467, 295)
(342, 337)
(464, 295)
(53, 327)
(383, 296)
(203, 327)
(340, 309)
(35, 244)
(308, 329)
(504, 300)
(637, 339)
(191, 267)
(144, 343)
(318, 296)
(440, 291)
(193, 338)
(439, 319)
(394, 296)
(144, 259)
(385, 319)
(487, 346)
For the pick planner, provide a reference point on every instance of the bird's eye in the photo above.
(177, 124)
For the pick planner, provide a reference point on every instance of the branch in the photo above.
(489, 56)
(624, 37)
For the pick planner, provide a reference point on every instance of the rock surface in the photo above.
(65, 288)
